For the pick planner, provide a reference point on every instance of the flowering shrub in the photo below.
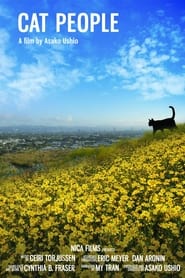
(135, 204)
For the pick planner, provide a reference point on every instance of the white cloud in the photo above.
(68, 78)
(89, 78)
(5, 12)
(6, 65)
(42, 73)
(175, 84)
(160, 12)
(7, 61)
(183, 18)
(153, 66)
(30, 82)
(4, 37)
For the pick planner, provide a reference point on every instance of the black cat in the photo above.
(162, 124)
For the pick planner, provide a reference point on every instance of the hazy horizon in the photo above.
(77, 127)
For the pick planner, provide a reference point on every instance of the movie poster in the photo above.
(92, 139)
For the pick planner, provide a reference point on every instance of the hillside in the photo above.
(129, 197)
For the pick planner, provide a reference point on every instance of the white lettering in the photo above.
(36, 23)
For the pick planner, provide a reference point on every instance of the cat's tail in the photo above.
(173, 112)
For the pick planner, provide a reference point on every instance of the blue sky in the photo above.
(115, 79)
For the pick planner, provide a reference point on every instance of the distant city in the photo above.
(13, 139)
